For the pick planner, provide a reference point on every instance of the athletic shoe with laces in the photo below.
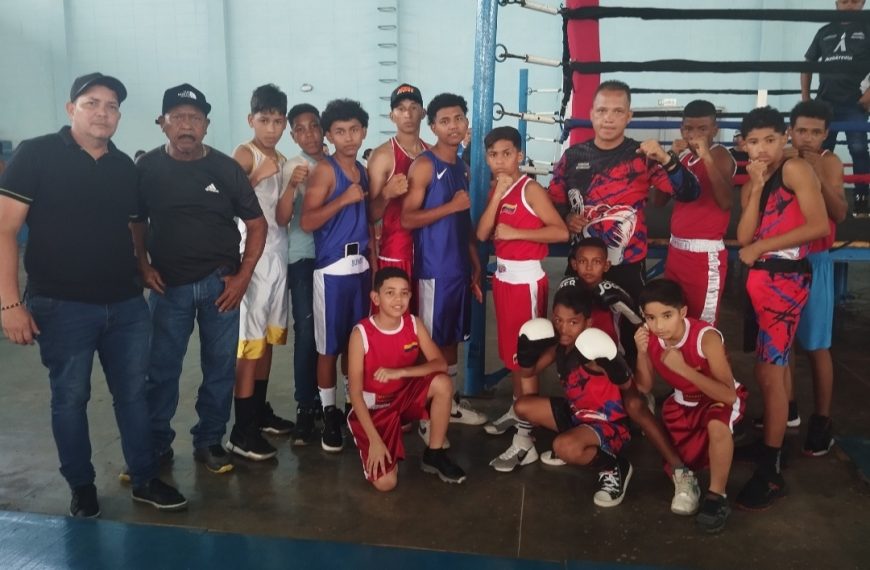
(793, 421)
(163, 460)
(762, 489)
(502, 424)
(819, 440)
(84, 502)
(686, 492)
(160, 495)
(331, 438)
(519, 453)
(305, 430)
(437, 462)
(550, 458)
(462, 413)
(613, 484)
(713, 513)
(250, 444)
(272, 424)
(214, 457)
(424, 429)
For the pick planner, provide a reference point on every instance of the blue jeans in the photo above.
(300, 281)
(855, 140)
(70, 334)
(173, 315)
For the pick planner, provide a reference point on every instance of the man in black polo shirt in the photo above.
(189, 196)
(77, 193)
(844, 42)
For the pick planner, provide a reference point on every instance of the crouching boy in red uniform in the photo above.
(700, 415)
(389, 388)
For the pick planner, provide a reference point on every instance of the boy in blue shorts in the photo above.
(335, 211)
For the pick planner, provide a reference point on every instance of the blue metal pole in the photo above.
(481, 105)
(523, 105)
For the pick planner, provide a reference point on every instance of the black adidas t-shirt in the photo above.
(841, 43)
(79, 247)
(191, 208)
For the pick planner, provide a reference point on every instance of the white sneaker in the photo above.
(550, 458)
(686, 492)
(463, 413)
(497, 427)
(514, 456)
(424, 431)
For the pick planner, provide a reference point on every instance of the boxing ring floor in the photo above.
(311, 509)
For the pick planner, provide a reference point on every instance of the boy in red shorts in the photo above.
(783, 212)
(590, 419)
(521, 220)
(700, 415)
(389, 386)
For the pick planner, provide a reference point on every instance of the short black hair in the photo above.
(509, 134)
(443, 101)
(577, 298)
(595, 242)
(614, 85)
(699, 108)
(813, 109)
(301, 109)
(389, 273)
(664, 291)
(268, 98)
(762, 118)
(367, 153)
(343, 110)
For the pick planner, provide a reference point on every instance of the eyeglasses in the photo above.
(194, 119)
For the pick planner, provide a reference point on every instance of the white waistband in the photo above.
(514, 266)
(697, 245)
(681, 399)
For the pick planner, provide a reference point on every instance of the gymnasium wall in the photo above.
(228, 47)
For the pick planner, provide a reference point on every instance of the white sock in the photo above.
(327, 396)
(523, 437)
(346, 381)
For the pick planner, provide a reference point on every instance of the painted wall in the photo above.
(228, 47)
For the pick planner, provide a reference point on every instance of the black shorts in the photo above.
(563, 414)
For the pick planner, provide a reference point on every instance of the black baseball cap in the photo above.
(85, 82)
(185, 94)
(405, 91)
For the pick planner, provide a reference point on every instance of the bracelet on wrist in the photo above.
(12, 306)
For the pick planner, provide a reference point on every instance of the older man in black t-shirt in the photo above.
(77, 193)
(844, 42)
(189, 196)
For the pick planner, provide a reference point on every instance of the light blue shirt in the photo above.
(301, 243)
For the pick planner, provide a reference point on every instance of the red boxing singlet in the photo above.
(387, 349)
(397, 242)
(515, 211)
(701, 218)
(781, 214)
(690, 347)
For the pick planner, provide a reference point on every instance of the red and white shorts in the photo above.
(519, 291)
(701, 274)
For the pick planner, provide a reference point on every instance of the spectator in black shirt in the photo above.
(189, 196)
(844, 42)
(77, 193)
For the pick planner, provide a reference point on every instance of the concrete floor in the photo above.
(537, 513)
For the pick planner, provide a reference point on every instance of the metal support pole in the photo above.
(523, 104)
(482, 100)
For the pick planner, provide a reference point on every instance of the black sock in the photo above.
(260, 387)
(771, 458)
(792, 409)
(245, 412)
(603, 461)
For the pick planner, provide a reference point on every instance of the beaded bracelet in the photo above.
(12, 306)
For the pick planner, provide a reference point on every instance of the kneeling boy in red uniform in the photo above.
(389, 388)
(707, 402)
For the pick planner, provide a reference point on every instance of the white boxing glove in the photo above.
(597, 346)
(536, 336)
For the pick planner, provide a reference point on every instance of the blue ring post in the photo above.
(523, 106)
(481, 105)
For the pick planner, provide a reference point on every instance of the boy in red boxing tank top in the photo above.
(391, 383)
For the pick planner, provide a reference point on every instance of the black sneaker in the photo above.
(436, 461)
(84, 502)
(163, 460)
(762, 489)
(613, 484)
(713, 513)
(305, 432)
(160, 495)
(332, 439)
(214, 457)
(272, 424)
(250, 444)
(819, 440)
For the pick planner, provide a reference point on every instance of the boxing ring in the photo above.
(582, 68)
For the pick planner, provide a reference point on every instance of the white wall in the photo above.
(228, 47)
